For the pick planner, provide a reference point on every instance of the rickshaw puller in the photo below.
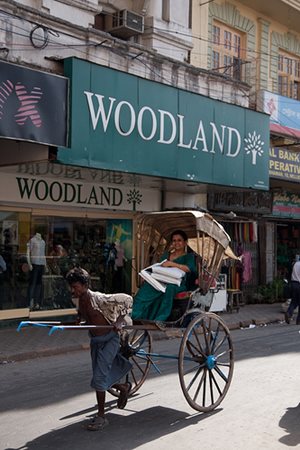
(108, 365)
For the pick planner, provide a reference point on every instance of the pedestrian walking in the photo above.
(295, 294)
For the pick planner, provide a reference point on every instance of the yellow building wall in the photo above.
(201, 15)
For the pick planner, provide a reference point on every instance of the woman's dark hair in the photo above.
(181, 233)
(78, 275)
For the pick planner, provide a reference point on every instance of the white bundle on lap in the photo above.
(156, 273)
(170, 272)
(166, 278)
(151, 280)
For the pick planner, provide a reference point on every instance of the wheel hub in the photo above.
(210, 362)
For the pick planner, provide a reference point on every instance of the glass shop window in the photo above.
(14, 232)
(39, 251)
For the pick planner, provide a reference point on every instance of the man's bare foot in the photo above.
(124, 393)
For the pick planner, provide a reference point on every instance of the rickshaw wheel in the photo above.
(205, 362)
(135, 346)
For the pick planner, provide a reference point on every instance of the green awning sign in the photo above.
(125, 123)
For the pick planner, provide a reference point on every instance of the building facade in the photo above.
(103, 117)
(258, 42)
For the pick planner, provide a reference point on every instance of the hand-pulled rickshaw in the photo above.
(205, 356)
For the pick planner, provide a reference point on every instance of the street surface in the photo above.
(45, 402)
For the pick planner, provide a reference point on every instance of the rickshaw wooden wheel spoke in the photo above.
(215, 382)
(199, 386)
(204, 390)
(194, 379)
(205, 362)
(138, 341)
(211, 387)
(205, 334)
(219, 372)
(219, 344)
(198, 350)
(224, 364)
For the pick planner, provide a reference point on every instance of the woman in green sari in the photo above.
(151, 304)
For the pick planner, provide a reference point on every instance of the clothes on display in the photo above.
(234, 275)
(244, 232)
(239, 272)
(37, 261)
(242, 274)
(247, 266)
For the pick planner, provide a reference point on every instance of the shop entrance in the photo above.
(288, 247)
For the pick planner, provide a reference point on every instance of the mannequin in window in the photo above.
(36, 261)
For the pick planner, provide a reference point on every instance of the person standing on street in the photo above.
(108, 365)
(295, 294)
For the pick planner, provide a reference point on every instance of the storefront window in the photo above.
(38, 252)
(14, 230)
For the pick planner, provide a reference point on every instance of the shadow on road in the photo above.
(109, 406)
(126, 432)
(290, 423)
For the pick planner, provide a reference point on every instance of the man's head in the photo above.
(79, 281)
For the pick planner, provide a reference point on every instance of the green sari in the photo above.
(150, 304)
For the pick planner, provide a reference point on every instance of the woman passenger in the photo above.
(151, 304)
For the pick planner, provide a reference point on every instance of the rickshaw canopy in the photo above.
(165, 223)
(206, 238)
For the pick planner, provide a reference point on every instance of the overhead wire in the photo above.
(91, 44)
(77, 46)
(86, 45)
(211, 41)
(55, 45)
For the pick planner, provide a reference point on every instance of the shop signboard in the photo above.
(284, 113)
(256, 202)
(33, 105)
(286, 204)
(126, 123)
(284, 164)
(49, 185)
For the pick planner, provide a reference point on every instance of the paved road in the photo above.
(46, 401)
(35, 342)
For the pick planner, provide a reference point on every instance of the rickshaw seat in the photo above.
(180, 301)
(182, 295)
(180, 304)
(186, 294)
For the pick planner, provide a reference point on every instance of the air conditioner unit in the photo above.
(125, 24)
